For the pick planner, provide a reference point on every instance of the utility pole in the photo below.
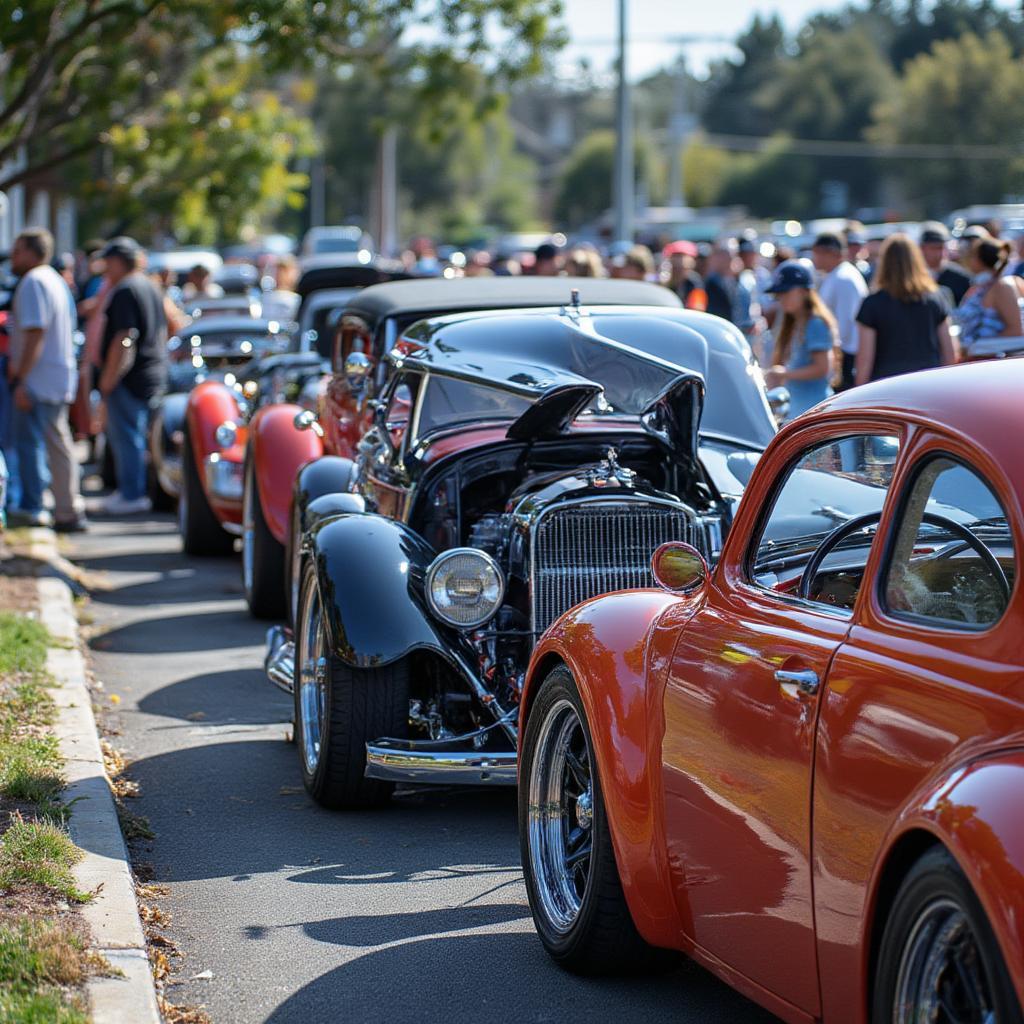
(625, 174)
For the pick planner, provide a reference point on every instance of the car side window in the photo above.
(352, 335)
(816, 538)
(952, 560)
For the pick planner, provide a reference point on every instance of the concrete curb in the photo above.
(113, 914)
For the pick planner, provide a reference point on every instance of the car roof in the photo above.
(979, 402)
(441, 295)
(217, 324)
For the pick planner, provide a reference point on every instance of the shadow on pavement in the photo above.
(504, 979)
(220, 698)
(237, 809)
(178, 633)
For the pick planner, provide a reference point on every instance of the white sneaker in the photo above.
(118, 505)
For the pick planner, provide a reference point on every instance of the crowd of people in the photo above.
(843, 313)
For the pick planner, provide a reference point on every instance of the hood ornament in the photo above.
(610, 473)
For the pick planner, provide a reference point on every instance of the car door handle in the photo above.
(805, 681)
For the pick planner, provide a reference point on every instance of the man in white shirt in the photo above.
(842, 289)
(42, 379)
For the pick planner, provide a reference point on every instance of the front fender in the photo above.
(618, 649)
(278, 451)
(327, 475)
(371, 572)
(977, 812)
(209, 405)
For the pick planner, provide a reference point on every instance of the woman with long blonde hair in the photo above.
(903, 325)
(806, 339)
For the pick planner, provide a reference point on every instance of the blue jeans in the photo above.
(29, 430)
(127, 428)
(7, 437)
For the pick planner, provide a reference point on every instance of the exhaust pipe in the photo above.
(279, 663)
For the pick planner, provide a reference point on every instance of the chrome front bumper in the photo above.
(401, 761)
(440, 768)
(279, 662)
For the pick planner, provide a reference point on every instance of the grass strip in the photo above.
(39, 853)
(39, 960)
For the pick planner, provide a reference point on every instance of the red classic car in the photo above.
(805, 767)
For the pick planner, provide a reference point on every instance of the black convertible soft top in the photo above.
(433, 296)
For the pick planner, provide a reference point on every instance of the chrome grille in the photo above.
(580, 551)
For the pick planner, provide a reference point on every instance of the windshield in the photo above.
(335, 243)
(244, 342)
(447, 402)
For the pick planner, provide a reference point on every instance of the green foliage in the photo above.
(706, 169)
(585, 185)
(965, 91)
(115, 85)
(23, 644)
(37, 959)
(39, 853)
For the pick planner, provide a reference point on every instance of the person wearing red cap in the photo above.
(679, 274)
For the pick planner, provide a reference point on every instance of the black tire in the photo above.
(603, 938)
(936, 879)
(201, 532)
(360, 706)
(292, 566)
(263, 563)
(162, 501)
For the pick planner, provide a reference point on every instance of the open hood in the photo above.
(674, 417)
(551, 414)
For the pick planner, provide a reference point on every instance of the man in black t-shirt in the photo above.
(134, 370)
(952, 279)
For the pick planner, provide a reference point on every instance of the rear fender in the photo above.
(278, 450)
(618, 648)
(371, 573)
(328, 475)
(977, 813)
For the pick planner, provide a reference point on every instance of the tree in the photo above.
(734, 85)
(585, 185)
(963, 95)
(234, 172)
(705, 172)
(74, 73)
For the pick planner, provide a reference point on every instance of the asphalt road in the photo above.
(414, 913)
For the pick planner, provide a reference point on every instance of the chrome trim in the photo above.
(424, 767)
(235, 529)
(279, 663)
(635, 500)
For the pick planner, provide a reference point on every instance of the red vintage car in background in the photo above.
(283, 438)
(217, 412)
(805, 768)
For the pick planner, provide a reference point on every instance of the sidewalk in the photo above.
(112, 915)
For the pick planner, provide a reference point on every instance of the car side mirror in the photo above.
(356, 369)
(679, 568)
(778, 402)
(306, 420)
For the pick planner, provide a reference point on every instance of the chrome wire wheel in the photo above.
(248, 534)
(561, 816)
(312, 666)
(942, 978)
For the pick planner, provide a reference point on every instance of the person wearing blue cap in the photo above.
(805, 340)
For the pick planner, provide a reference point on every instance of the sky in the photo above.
(593, 26)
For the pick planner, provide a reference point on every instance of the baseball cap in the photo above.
(746, 245)
(934, 231)
(127, 248)
(680, 248)
(829, 240)
(789, 275)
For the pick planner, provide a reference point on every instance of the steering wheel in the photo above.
(851, 526)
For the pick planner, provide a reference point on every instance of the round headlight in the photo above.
(465, 587)
(226, 433)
